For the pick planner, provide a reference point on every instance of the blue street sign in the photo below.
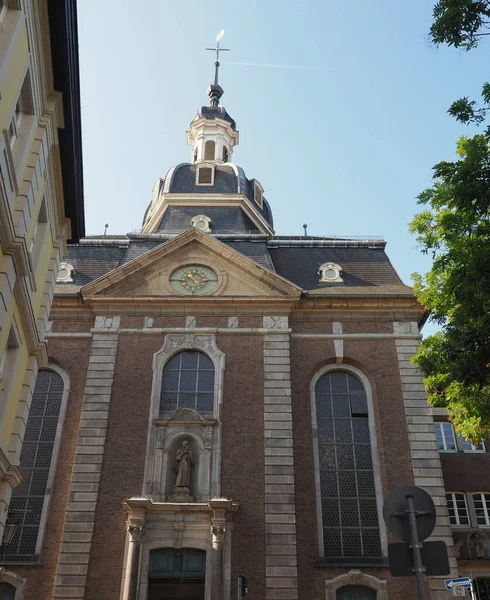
(461, 582)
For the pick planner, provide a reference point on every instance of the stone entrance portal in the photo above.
(177, 574)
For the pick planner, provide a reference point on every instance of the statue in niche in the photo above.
(183, 464)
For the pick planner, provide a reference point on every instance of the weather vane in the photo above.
(215, 91)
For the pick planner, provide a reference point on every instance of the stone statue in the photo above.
(183, 464)
(183, 467)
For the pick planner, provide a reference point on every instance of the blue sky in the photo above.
(344, 145)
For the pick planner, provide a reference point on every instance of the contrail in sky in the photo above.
(272, 66)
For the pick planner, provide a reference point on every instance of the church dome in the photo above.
(228, 179)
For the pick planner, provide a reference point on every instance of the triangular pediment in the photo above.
(149, 275)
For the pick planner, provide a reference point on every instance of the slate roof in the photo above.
(91, 262)
(365, 270)
(230, 219)
(228, 179)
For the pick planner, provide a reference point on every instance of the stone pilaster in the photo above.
(426, 463)
(71, 572)
(280, 517)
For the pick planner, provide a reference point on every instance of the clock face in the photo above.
(194, 280)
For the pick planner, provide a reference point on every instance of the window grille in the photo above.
(349, 507)
(482, 588)
(458, 510)
(446, 442)
(188, 381)
(28, 498)
(482, 508)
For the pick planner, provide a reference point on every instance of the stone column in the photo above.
(426, 463)
(220, 508)
(218, 530)
(73, 560)
(280, 503)
(136, 531)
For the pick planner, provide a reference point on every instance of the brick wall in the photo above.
(377, 359)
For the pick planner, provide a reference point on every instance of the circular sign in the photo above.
(395, 513)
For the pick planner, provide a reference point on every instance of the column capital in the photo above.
(136, 530)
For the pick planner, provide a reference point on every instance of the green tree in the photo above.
(455, 229)
(460, 23)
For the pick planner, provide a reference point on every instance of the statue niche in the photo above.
(183, 466)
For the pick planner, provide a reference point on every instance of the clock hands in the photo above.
(190, 276)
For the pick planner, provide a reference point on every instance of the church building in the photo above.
(221, 401)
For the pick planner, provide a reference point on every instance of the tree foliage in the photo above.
(455, 230)
(460, 23)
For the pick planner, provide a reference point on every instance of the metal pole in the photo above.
(416, 546)
(239, 588)
(472, 590)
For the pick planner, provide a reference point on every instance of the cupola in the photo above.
(213, 134)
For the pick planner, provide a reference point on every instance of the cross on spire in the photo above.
(215, 91)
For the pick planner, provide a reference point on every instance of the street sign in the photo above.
(395, 513)
(463, 582)
(434, 559)
(459, 591)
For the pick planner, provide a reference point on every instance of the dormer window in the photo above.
(65, 273)
(209, 150)
(225, 154)
(205, 176)
(258, 194)
(201, 222)
(330, 273)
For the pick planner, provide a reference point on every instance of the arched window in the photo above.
(7, 591)
(195, 155)
(28, 498)
(356, 592)
(348, 495)
(209, 150)
(188, 381)
(225, 154)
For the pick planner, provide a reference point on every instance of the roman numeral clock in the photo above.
(196, 280)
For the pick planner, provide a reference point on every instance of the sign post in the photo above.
(410, 515)
(416, 547)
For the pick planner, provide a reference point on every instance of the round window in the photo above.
(330, 274)
(201, 225)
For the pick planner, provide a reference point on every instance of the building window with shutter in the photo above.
(349, 507)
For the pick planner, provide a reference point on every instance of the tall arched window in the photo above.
(188, 381)
(225, 154)
(28, 498)
(209, 150)
(348, 495)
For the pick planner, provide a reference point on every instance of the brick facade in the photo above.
(252, 455)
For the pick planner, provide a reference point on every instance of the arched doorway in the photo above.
(7, 591)
(177, 574)
(356, 592)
